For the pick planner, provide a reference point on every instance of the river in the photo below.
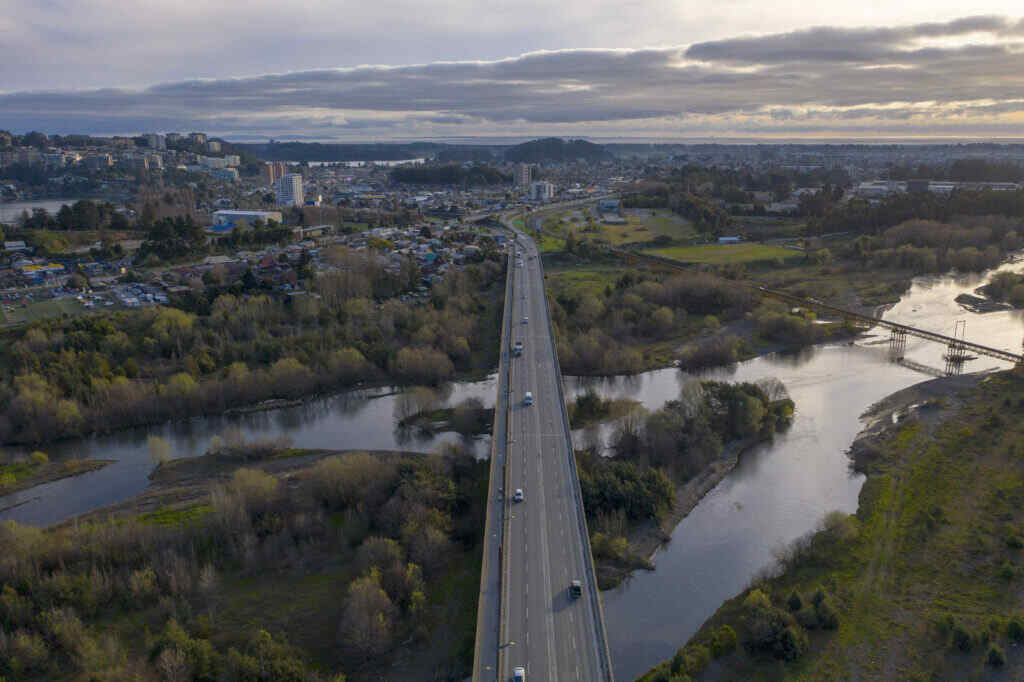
(352, 420)
(779, 490)
(11, 210)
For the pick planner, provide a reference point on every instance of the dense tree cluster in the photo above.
(172, 239)
(61, 378)
(683, 436)
(84, 214)
(707, 215)
(449, 174)
(963, 170)
(863, 217)
(1006, 286)
(921, 246)
(595, 331)
(671, 445)
(404, 521)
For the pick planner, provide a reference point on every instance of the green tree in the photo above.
(65, 218)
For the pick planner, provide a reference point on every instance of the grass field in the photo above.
(643, 227)
(40, 310)
(720, 254)
(925, 580)
(583, 280)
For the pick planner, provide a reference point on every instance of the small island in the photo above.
(21, 472)
(663, 462)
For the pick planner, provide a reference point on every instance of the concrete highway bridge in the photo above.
(536, 542)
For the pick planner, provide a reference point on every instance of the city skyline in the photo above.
(959, 78)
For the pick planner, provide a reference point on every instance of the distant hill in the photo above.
(556, 149)
(316, 151)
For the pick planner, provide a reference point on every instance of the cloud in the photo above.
(822, 43)
(963, 74)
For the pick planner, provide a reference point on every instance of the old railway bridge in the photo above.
(958, 349)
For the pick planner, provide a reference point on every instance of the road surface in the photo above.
(553, 636)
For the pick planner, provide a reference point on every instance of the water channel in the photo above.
(353, 420)
(778, 492)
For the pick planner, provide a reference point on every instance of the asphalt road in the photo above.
(552, 635)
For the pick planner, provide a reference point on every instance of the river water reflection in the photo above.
(780, 490)
(353, 420)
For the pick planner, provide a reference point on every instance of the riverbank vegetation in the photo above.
(921, 583)
(64, 378)
(352, 565)
(613, 319)
(635, 490)
(589, 408)
(19, 472)
(1006, 286)
(420, 408)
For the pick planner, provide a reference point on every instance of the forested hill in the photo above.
(556, 149)
(451, 174)
(316, 151)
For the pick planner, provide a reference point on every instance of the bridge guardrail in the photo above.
(489, 520)
(588, 558)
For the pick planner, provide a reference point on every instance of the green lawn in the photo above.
(720, 254)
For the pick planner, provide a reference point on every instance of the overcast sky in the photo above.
(396, 69)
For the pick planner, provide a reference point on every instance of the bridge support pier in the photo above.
(897, 344)
(956, 355)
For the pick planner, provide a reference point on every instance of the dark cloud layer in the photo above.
(965, 74)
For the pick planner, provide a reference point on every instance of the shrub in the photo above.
(1015, 629)
(795, 601)
(757, 599)
(724, 642)
(963, 639)
(256, 488)
(818, 596)
(142, 584)
(995, 656)
(159, 449)
(699, 659)
(772, 631)
(807, 617)
(39, 458)
(28, 652)
(827, 616)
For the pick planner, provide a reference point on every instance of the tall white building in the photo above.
(523, 174)
(542, 191)
(289, 190)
